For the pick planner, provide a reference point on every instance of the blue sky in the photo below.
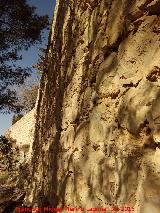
(30, 57)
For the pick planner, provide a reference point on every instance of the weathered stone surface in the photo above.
(15, 163)
(97, 138)
(22, 135)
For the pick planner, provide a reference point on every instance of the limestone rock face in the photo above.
(15, 160)
(97, 140)
(22, 135)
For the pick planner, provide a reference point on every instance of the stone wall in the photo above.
(97, 135)
(15, 161)
(22, 135)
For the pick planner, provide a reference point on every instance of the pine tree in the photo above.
(20, 28)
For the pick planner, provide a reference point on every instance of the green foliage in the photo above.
(16, 118)
(4, 177)
(20, 28)
(42, 64)
(6, 152)
(25, 147)
(5, 145)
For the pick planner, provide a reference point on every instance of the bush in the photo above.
(6, 152)
(16, 118)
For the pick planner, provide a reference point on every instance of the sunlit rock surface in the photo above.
(22, 135)
(97, 135)
(98, 116)
(97, 141)
(15, 161)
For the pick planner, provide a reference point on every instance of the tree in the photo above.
(16, 118)
(6, 151)
(20, 27)
(28, 98)
(42, 64)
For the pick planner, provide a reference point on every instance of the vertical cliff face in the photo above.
(97, 135)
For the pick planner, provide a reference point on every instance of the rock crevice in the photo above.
(96, 141)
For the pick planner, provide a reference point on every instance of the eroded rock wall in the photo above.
(22, 135)
(15, 157)
(97, 141)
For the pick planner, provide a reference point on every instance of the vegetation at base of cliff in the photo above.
(3, 178)
(20, 28)
(6, 154)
